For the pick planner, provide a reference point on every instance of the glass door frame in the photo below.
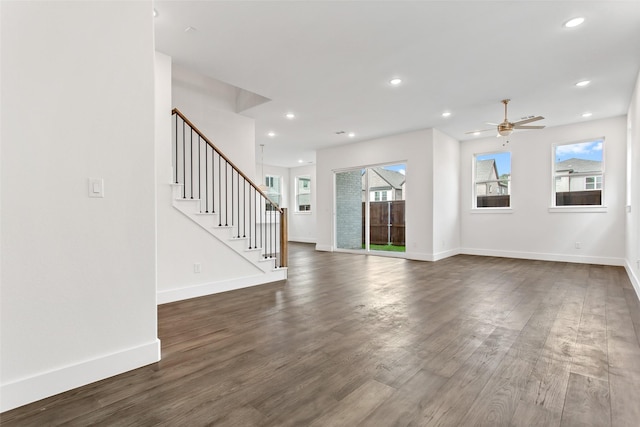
(367, 216)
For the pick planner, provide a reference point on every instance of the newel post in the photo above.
(284, 237)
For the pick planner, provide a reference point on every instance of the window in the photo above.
(492, 185)
(578, 173)
(593, 183)
(380, 196)
(273, 190)
(303, 194)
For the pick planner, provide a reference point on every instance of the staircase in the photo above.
(210, 190)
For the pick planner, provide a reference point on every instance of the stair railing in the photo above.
(206, 174)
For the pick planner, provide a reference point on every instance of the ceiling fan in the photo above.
(506, 127)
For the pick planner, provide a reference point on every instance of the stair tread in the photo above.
(255, 255)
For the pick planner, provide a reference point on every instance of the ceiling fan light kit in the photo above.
(506, 128)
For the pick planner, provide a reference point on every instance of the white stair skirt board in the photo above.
(49, 383)
(179, 294)
(228, 235)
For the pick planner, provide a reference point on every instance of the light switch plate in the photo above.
(96, 187)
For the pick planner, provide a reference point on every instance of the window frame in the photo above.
(298, 179)
(584, 175)
(597, 182)
(268, 182)
(474, 184)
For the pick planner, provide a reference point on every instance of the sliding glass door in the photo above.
(370, 209)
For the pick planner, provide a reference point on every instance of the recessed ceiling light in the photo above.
(587, 114)
(351, 134)
(446, 114)
(290, 116)
(583, 83)
(271, 134)
(476, 133)
(300, 161)
(574, 22)
(395, 82)
(155, 12)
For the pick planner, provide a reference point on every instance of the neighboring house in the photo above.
(303, 194)
(578, 175)
(384, 184)
(273, 189)
(487, 183)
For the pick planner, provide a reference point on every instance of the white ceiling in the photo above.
(329, 62)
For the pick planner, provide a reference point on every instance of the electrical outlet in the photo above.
(577, 245)
(196, 268)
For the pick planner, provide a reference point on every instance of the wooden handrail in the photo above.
(212, 145)
(284, 232)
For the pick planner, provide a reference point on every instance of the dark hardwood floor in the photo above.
(361, 340)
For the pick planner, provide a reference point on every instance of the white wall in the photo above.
(632, 240)
(302, 225)
(78, 273)
(415, 149)
(210, 105)
(530, 229)
(446, 195)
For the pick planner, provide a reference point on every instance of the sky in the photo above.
(591, 150)
(503, 161)
(398, 168)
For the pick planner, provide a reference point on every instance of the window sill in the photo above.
(303, 213)
(578, 209)
(492, 210)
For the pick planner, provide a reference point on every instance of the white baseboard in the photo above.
(202, 289)
(445, 254)
(324, 248)
(635, 282)
(418, 256)
(423, 256)
(302, 239)
(46, 384)
(544, 256)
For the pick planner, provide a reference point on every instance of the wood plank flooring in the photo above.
(353, 340)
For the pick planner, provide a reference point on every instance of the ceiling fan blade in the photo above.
(492, 124)
(528, 127)
(479, 130)
(525, 121)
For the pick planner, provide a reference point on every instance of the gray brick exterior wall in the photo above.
(349, 209)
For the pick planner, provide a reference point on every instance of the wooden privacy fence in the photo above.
(387, 225)
(493, 201)
(577, 198)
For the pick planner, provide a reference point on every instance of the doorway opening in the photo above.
(370, 209)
